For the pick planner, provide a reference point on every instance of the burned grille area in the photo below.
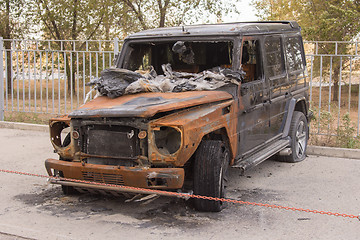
(117, 142)
(107, 178)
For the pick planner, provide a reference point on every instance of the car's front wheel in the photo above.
(210, 174)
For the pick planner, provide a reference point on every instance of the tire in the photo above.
(67, 190)
(299, 132)
(210, 174)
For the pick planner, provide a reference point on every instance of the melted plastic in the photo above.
(115, 82)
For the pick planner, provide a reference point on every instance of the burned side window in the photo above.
(251, 60)
(293, 53)
(184, 56)
(274, 56)
(140, 56)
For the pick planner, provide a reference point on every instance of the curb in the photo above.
(24, 126)
(311, 150)
(334, 152)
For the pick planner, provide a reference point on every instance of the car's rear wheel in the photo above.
(299, 132)
(210, 174)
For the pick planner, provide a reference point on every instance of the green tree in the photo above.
(161, 13)
(332, 20)
(73, 20)
(105, 19)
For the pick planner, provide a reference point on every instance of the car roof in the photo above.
(240, 28)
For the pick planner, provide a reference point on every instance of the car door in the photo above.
(254, 119)
(295, 61)
(278, 82)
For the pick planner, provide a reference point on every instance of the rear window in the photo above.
(274, 56)
(293, 53)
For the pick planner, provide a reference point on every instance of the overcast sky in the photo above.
(247, 13)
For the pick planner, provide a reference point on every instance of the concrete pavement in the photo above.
(32, 209)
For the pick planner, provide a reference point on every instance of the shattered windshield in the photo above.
(190, 57)
(175, 66)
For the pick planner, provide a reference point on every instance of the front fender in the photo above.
(57, 125)
(194, 124)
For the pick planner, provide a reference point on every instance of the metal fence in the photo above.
(49, 77)
(334, 76)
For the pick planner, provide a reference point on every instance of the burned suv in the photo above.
(181, 105)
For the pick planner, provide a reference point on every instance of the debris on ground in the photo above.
(115, 82)
(145, 199)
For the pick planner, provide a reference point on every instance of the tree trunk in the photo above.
(137, 12)
(71, 69)
(74, 69)
(162, 17)
(162, 10)
(7, 46)
(107, 34)
(335, 78)
(71, 73)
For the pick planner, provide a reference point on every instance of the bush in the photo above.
(346, 132)
(325, 132)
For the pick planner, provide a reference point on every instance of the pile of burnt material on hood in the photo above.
(115, 82)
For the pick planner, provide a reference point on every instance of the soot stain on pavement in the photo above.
(176, 213)
(250, 213)
(256, 195)
(54, 201)
(162, 212)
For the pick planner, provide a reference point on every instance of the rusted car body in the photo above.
(162, 140)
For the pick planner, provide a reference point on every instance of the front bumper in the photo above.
(152, 178)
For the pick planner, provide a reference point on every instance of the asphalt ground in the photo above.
(30, 208)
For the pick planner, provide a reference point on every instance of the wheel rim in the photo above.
(300, 138)
(223, 175)
(221, 183)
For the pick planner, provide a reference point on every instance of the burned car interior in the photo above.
(177, 66)
(181, 106)
(191, 57)
(251, 60)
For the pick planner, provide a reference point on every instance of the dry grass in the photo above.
(27, 117)
(331, 126)
(34, 101)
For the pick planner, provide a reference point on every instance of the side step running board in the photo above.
(261, 156)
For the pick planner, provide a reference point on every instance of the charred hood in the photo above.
(147, 104)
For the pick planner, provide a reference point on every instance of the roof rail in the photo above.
(293, 24)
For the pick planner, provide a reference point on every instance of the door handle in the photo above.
(266, 102)
(244, 90)
(249, 109)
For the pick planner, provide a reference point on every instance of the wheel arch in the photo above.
(220, 134)
(293, 105)
(301, 106)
